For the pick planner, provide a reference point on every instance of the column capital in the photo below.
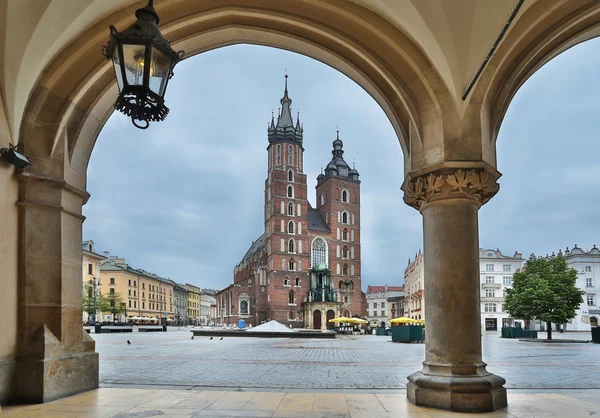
(474, 181)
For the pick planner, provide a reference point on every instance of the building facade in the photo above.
(145, 294)
(206, 301)
(305, 268)
(496, 271)
(414, 287)
(377, 303)
(587, 265)
(181, 303)
(90, 266)
(396, 306)
(193, 304)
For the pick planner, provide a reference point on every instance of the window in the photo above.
(489, 279)
(346, 299)
(322, 199)
(382, 313)
(290, 191)
(290, 175)
(129, 282)
(590, 300)
(90, 268)
(375, 306)
(112, 291)
(507, 281)
(351, 286)
(292, 316)
(129, 292)
(345, 269)
(244, 307)
(290, 227)
(345, 218)
(135, 304)
(490, 307)
(278, 154)
(143, 285)
(345, 252)
(292, 264)
(588, 268)
(344, 196)
(489, 293)
(283, 259)
(290, 155)
(588, 282)
(112, 280)
(134, 283)
(291, 246)
(383, 304)
(489, 267)
(130, 304)
(290, 209)
(319, 252)
(345, 234)
(341, 284)
(297, 282)
(292, 298)
(506, 267)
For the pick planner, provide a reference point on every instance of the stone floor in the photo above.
(361, 362)
(137, 403)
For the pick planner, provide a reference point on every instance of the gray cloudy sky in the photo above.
(184, 198)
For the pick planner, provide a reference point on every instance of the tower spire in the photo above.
(285, 118)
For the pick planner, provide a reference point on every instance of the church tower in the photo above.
(286, 209)
(338, 202)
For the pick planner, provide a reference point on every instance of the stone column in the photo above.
(453, 377)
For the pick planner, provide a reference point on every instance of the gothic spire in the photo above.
(285, 118)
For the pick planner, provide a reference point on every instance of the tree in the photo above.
(92, 305)
(116, 304)
(544, 290)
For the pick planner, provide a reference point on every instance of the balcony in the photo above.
(322, 295)
(496, 299)
(491, 285)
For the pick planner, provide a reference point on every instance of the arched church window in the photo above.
(290, 227)
(292, 264)
(291, 246)
(345, 196)
(283, 263)
(340, 284)
(286, 282)
(322, 199)
(345, 252)
(345, 234)
(345, 269)
(278, 154)
(290, 192)
(297, 281)
(345, 218)
(319, 252)
(290, 175)
(290, 209)
(290, 155)
(292, 297)
(351, 286)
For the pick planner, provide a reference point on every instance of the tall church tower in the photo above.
(286, 214)
(338, 202)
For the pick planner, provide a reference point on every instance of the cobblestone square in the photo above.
(348, 362)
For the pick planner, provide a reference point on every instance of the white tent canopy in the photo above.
(271, 326)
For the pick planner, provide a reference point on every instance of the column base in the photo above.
(464, 388)
(49, 379)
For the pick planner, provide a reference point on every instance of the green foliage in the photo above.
(544, 290)
(101, 301)
(116, 304)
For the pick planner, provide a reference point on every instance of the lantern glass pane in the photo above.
(116, 59)
(133, 56)
(159, 72)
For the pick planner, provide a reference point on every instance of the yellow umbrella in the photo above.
(359, 321)
(420, 321)
(402, 320)
(341, 319)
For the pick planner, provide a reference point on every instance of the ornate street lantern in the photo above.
(143, 60)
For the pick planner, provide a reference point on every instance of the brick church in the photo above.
(305, 268)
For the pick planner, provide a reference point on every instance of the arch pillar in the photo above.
(56, 357)
(453, 376)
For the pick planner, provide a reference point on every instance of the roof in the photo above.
(316, 221)
(256, 245)
(382, 288)
(111, 266)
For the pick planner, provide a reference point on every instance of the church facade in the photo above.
(306, 267)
